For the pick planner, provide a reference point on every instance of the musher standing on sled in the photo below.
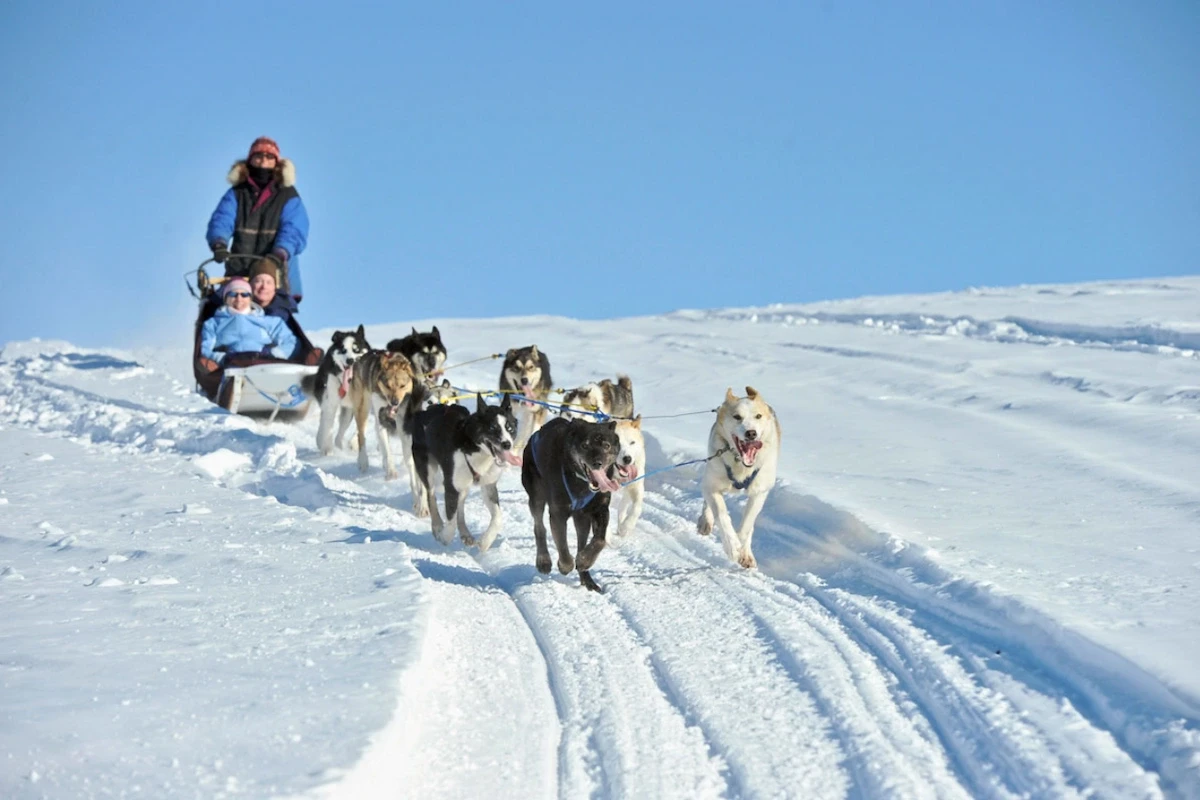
(262, 215)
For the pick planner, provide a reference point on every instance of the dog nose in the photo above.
(752, 435)
(627, 459)
(524, 381)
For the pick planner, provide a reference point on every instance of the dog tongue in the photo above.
(749, 450)
(347, 374)
(601, 479)
(512, 458)
(630, 473)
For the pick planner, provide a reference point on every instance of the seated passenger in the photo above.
(239, 326)
(263, 284)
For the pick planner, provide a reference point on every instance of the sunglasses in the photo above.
(231, 295)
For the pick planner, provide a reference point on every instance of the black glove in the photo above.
(220, 252)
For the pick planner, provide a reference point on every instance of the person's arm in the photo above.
(284, 340)
(208, 340)
(220, 224)
(293, 229)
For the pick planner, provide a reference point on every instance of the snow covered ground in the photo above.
(979, 573)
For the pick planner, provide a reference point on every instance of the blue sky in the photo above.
(594, 160)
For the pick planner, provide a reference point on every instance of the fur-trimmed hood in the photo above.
(285, 172)
(226, 311)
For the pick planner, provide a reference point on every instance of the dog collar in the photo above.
(741, 486)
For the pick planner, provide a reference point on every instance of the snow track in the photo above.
(850, 666)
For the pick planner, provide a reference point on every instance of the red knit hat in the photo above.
(264, 144)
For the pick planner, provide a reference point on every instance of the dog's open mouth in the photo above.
(627, 472)
(748, 450)
(598, 481)
(503, 457)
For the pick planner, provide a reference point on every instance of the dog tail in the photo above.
(624, 382)
(308, 385)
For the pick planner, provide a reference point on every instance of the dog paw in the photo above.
(704, 526)
(352, 445)
(420, 509)
(467, 539)
(588, 583)
(566, 564)
(748, 561)
(543, 563)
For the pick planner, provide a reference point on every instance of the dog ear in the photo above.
(361, 331)
(637, 422)
(480, 405)
(730, 397)
(611, 425)
(445, 383)
(625, 382)
(506, 402)
(512, 351)
(414, 333)
(533, 352)
(751, 392)
(435, 333)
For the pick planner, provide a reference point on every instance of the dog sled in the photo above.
(251, 384)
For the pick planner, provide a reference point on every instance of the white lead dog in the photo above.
(743, 449)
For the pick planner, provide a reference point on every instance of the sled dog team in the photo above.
(570, 466)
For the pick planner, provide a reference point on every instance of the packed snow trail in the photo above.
(850, 665)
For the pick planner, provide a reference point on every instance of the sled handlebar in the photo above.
(205, 283)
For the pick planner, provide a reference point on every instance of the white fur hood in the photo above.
(285, 172)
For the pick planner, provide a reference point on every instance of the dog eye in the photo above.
(738, 417)
(758, 416)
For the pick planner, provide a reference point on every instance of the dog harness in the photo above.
(576, 502)
(741, 486)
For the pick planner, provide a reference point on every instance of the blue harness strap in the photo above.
(576, 502)
(741, 486)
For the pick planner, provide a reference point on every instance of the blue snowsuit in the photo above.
(226, 332)
(253, 220)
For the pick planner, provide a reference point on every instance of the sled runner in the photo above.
(250, 383)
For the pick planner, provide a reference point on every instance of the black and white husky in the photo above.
(458, 449)
(331, 385)
(425, 351)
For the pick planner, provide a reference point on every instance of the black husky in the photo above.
(424, 350)
(460, 448)
(568, 465)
